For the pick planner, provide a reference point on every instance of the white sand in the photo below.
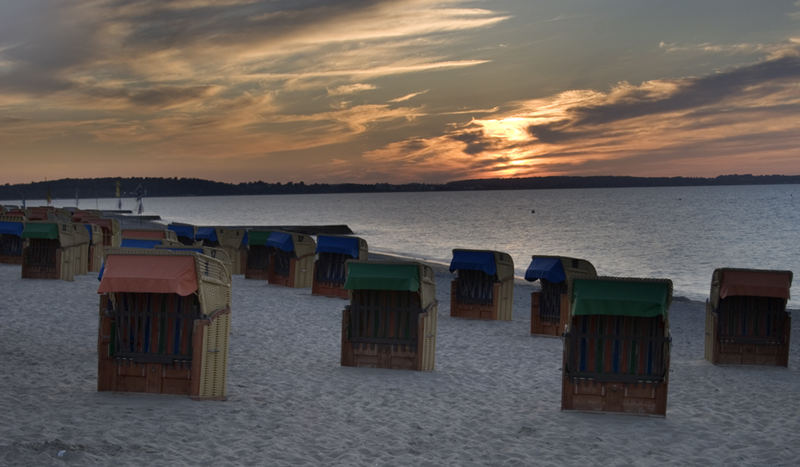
(493, 398)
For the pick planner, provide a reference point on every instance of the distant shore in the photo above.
(87, 188)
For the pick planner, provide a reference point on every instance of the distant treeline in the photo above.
(85, 188)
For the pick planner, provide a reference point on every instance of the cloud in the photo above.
(700, 125)
(408, 96)
(351, 89)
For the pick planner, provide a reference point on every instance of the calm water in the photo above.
(680, 233)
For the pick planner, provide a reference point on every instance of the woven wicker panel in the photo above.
(230, 238)
(213, 284)
(219, 253)
(214, 369)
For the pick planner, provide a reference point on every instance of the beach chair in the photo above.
(185, 233)
(330, 270)
(617, 346)
(746, 317)
(110, 228)
(258, 255)
(391, 319)
(484, 285)
(11, 241)
(82, 246)
(232, 239)
(164, 323)
(291, 260)
(96, 247)
(52, 250)
(151, 234)
(550, 306)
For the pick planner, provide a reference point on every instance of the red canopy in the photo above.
(149, 274)
(755, 283)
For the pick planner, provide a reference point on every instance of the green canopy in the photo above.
(643, 298)
(257, 237)
(382, 276)
(45, 230)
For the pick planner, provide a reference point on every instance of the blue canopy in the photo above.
(474, 260)
(206, 233)
(182, 230)
(12, 228)
(281, 240)
(139, 243)
(343, 245)
(89, 228)
(245, 241)
(547, 268)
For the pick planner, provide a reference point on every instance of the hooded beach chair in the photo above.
(617, 346)
(53, 250)
(291, 261)
(185, 233)
(330, 271)
(391, 319)
(11, 241)
(484, 285)
(96, 247)
(233, 241)
(550, 306)
(258, 255)
(164, 323)
(746, 317)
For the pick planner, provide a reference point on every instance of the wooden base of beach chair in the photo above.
(548, 327)
(608, 396)
(615, 364)
(260, 274)
(721, 351)
(204, 377)
(11, 259)
(499, 309)
(53, 269)
(328, 289)
(392, 356)
(489, 311)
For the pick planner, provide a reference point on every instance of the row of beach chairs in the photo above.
(165, 310)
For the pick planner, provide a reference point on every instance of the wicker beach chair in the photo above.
(164, 323)
(391, 319)
(291, 261)
(746, 317)
(53, 250)
(484, 285)
(550, 306)
(185, 233)
(258, 255)
(232, 240)
(617, 346)
(330, 269)
(11, 241)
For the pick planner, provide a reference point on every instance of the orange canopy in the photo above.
(755, 283)
(152, 234)
(149, 274)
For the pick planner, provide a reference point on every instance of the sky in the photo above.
(397, 91)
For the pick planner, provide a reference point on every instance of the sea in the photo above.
(678, 233)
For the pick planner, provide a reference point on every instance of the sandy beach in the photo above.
(493, 398)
